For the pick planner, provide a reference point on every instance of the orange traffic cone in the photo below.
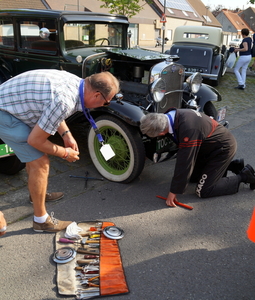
(251, 228)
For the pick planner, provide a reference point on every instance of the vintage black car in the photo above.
(201, 50)
(84, 43)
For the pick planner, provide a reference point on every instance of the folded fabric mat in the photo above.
(112, 279)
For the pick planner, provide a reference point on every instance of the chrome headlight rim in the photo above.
(158, 89)
(195, 82)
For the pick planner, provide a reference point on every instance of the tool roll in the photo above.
(84, 278)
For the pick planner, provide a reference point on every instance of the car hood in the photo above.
(138, 53)
(135, 53)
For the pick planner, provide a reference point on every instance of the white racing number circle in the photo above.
(113, 232)
(64, 255)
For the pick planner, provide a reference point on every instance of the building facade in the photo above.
(232, 24)
(157, 17)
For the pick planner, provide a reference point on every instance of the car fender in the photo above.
(125, 111)
(216, 66)
(207, 93)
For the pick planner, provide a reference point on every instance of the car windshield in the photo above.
(93, 35)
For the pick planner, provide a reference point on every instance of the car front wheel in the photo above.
(126, 142)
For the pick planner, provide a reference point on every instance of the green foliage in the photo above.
(128, 8)
(251, 1)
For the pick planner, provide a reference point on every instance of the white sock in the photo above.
(41, 219)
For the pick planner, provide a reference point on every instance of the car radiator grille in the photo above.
(173, 75)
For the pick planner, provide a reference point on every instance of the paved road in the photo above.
(168, 253)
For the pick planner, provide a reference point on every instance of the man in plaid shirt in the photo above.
(33, 106)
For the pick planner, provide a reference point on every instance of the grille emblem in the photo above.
(173, 69)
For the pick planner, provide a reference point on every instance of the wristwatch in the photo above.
(3, 229)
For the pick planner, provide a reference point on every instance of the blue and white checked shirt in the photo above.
(43, 97)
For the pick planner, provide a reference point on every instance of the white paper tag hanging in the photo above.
(107, 151)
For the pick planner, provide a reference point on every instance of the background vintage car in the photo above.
(201, 50)
(85, 43)
(235, 42)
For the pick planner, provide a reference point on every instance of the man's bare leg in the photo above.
(38, 172)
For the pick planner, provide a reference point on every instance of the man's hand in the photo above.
(170, 199)
(38, 139)
(69, 141)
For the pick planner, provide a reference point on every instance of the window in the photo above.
(92, 34)
(207, 19)
(169, 34)
(177, 4)
(6, 34)
(133, 40)
(190, 35)
(30, 37)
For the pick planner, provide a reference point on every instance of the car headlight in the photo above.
(195, 81)
(158, 89)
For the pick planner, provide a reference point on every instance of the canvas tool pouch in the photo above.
(112, 279)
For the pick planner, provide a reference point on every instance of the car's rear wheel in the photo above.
(126, 142)
(11, 165)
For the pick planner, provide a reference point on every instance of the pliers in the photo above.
(88, 283)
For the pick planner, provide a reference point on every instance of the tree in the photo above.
(128, 8)
(251, 1)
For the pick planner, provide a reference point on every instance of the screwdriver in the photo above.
(84, 241)
(67, 241)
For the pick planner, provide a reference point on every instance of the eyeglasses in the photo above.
(106, 103)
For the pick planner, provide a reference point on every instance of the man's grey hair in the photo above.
(153, 124)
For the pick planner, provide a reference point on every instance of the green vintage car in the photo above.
(84, 43)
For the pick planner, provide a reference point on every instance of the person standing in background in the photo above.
(244, 59)
(252, 67)
(158, 41)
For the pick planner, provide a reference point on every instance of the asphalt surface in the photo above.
(167, 253)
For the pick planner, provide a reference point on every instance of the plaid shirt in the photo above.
(43, 97)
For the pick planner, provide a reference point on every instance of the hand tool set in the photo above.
(90, 265)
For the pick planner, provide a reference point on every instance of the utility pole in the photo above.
(164, 28)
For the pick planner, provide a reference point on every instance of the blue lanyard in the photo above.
(172, 124)
(87, 113)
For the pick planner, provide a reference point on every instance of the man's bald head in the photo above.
(105, 83)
